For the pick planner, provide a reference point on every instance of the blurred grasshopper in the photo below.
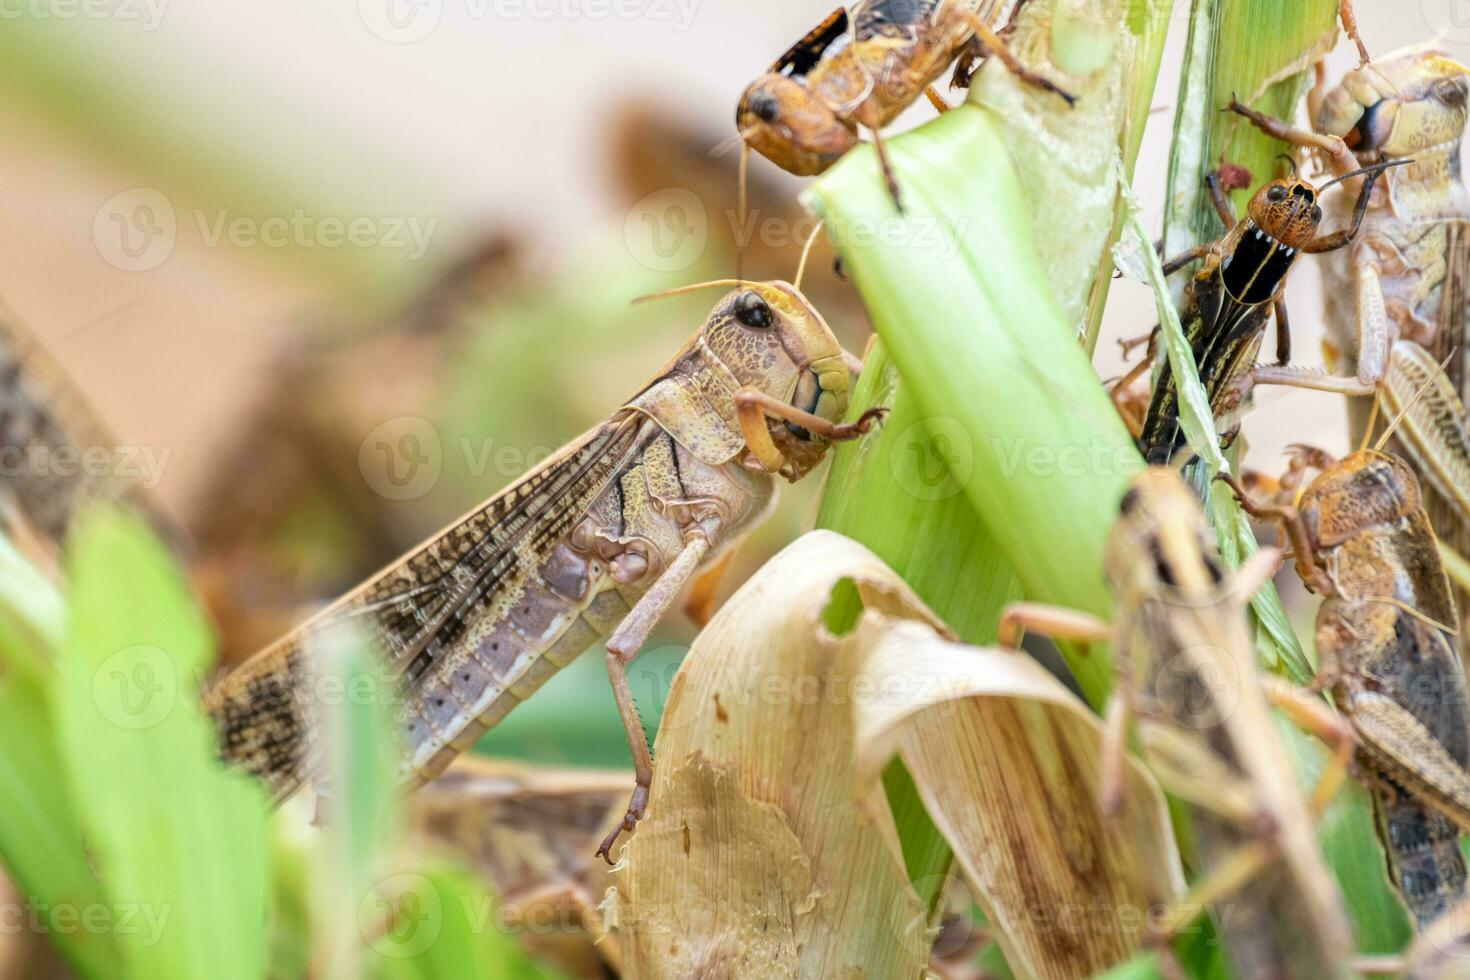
(600, 539)
(42, 412)
(1231, 297)
(1361, 539)
(1186, 670)
(529, 834)
(862, 68)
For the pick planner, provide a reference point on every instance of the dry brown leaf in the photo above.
(769, 849)
(1006, 760)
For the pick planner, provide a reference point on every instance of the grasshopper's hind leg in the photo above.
(988, 41)
(1334, 148)
(624, 645)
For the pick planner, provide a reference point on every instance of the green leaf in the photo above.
(179, 842)
(954, 289)
(40, 836)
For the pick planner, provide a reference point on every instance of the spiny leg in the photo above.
(1296, 532)
(885, 165)
(1350, 27)
(1220, 200)
(1283, 332)
(624, 645)
(1333, 147)
(992, 43)
(1192, 254)
(1310, 713)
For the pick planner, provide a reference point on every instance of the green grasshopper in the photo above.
(1186, 671)
(596, 542)
(1361, 539)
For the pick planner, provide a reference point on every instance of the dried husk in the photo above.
(769, 849)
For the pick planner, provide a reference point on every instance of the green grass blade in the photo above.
(177, 839)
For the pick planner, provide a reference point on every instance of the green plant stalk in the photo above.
(954, 290)
(899, 492)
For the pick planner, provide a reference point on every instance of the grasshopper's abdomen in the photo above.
(567, 606)
(1424, 859)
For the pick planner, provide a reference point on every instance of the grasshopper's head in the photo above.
(1364, 490)
(1407, 104)
(784, 122)
(1161, 543)
(773, 340)
(1281, 218)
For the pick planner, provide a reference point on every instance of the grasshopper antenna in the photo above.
(679, 290)
(806, 252)
(1419, 393)
(1374, 168)
(740, 206)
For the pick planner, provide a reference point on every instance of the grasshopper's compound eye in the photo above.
(764, 106)
(1316, 214)
(753, 311)
(1275, 193)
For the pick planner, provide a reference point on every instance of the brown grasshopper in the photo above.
(596, 542)
(529, 834)
(1361, 539)
(1185, 669)
(1230, 298)
(861, 68)
(1405, 282)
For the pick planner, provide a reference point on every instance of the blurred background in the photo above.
(336, 272)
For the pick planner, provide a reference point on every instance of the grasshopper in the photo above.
(1232, 295)
(1405, 282)
(600, 539)
(1361, 539)
(1185, 669)
(528, 833)
(862, 68)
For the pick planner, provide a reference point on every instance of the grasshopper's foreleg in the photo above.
(992, 43)
(1220, 200)
(1310, 713)
(753, 407)
(1283, 332)
(1332, 147)
(1350, 28)
(1192, 254)
(699, 604)
(1291, 521)
(624, 645)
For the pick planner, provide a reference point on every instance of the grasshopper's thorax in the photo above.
(1366, 518)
